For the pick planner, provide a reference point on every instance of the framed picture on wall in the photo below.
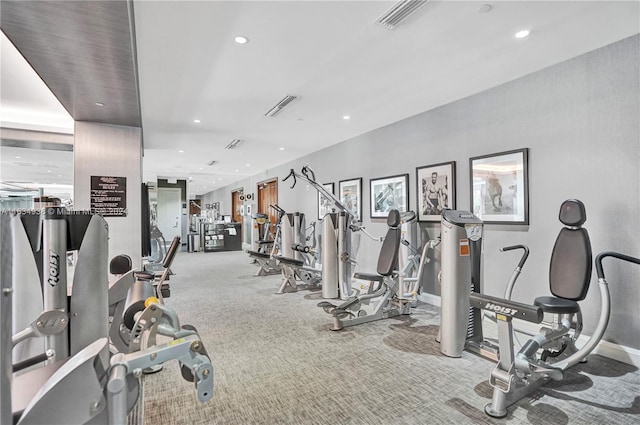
(436, 187)
(325, 205)
(500, 187)
(351, 196)
(389, 193)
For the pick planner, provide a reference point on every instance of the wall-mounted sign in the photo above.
(109, 196)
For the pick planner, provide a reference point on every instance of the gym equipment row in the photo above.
(521, 368)
(60, 366)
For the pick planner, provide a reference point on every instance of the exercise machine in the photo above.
(299, 261)
(80, 382)
(553, 350)
(267, 265)
(336, 253)
(383, 287)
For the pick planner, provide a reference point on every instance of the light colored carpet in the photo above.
(277, 362)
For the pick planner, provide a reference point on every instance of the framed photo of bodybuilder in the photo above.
(351, 196)
(389, 193)
(436, 186)
(325, 205)
(500, 187)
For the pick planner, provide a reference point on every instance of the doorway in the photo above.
(236, 205)
(169, 212)
(268, 195)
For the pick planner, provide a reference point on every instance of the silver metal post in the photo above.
(54, 287)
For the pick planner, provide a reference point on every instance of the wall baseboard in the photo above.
(614, 351)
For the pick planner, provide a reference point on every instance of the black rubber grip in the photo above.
(30, 362)
(617, 255)
(525, 255)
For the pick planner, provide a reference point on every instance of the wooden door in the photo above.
(268, 195)
(236, 206)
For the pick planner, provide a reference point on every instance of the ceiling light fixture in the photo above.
(522, 34)
(248, 165)
(281, 149)
(181, 151)
(196, 121)
(99, 104)
(280, 105)
(18, 157)
(399, 12)
(233, 144)
(237, 171)
(346, 117)
(485, 8)
(241, 39)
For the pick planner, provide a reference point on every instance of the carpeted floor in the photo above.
(277, 362)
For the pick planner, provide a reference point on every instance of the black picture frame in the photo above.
(388, 193)
(499, 187)
(350, 192)
(434, 197)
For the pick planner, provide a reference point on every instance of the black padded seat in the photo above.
(557, 305)
(289, 260)
(368, 276)
(258, 254)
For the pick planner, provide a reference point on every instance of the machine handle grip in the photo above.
(306, 170)
(33, 360)
(291, 173)
(617, 255)
(525, 254)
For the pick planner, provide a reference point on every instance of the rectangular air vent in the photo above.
(280, 105)
(399, 12)
(211, 162)
(233, 144)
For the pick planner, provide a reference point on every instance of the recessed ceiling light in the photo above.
(99, 104)
(485, 8)
(346, 117)
(237, 171)
(196, 121)
(248, 165)
(281, 149)
(220, 178)
(181, 151)
(241, 39)
(201, 168)
(59, 175)
(48, 171)
(522, 34)
(18, 157)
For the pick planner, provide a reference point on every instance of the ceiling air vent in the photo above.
(399, 12)
(213, 161)
(281, 105)
(233, 144)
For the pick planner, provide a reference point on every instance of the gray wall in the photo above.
(110, 150)
(580, 121)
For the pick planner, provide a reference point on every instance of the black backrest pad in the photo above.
(171, 252)
(572, 213)
(120, 264)
(393, 219)
(388, 258)
(570, 269)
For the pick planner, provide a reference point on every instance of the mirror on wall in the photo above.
(32, 173)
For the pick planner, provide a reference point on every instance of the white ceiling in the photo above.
(332, 55)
